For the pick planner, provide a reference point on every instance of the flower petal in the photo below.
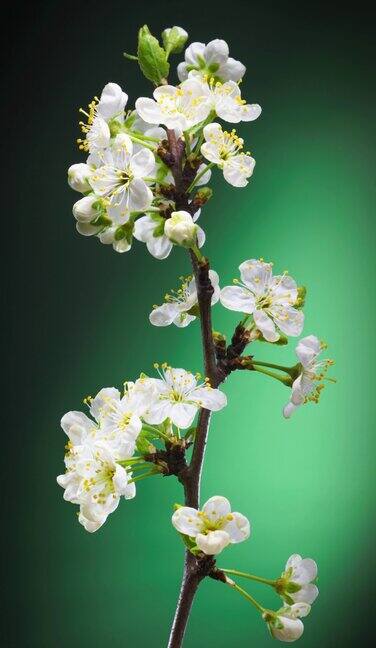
(266, 325)
(238, 299)
(209, 398)
(164, 315)
(212, 543)
(216, 507)
(186, 520)
(238, 528)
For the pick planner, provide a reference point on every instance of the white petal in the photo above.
(231, 70)
(122, 245)
(291, 631)
(140, 196)
(238, 528)
(143, 163)
(86, 229)
(305, 571)
(250, 112)
(211, 152)
(238, 169)
(257, 275)
(293, 561)
(186, 520)
(103, 401)
(266, 325)
(194, 51)
(77, 426)
(237, 299)
(216, 507)
(307, 349)
(216, 52)
(164, 315)
(159, 246)
(289, 409)
(112, 101)
(308, 594)
(182, 414)
(149, 110)
(209, 398)
(212, 543)
(182, 71)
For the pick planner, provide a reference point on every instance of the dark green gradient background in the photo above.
(80, 322)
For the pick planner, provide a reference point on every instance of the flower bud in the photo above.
(78, 176)
(174, 39)
(180, 229)
(85, 210)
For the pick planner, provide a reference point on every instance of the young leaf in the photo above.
(152, 58)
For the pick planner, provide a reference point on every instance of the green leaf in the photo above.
(152, 58)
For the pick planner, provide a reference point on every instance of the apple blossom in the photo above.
(182, 303)
(214, 527)
(95, 481)
(269, 299)
(224, 150)
(308, 385)
(211, 59)
(296, 582)
(101, 111)
(225, 100)
(179, 397)
(120, 179)
(177, 108)
(286, 624)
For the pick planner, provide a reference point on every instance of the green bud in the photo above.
(174, 39)
(203, 195)
(152, 58)
(219, 337)
(302, 291)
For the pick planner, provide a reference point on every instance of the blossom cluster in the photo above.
(215, 526)
(100, 459)
(125, 181)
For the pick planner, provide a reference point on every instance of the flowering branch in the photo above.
(145, 179)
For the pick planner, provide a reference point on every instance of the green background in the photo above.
(80, 321)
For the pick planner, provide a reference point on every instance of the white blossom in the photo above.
(78, 177)
(175, 107)
(101, 111)
(286, 624)
(308, 385)
(269, 299)
(86, 209)
(119, 415)
(120, 179)
(150, 229)
(225, 150)
(214, 527)
(212, 59)
(95, 477)
(181, 229)
(182, 303)
(296, 582)
(179, 397)
(225, 100)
